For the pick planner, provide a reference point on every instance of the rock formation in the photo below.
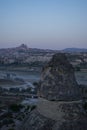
(58, 80)
(60, 106)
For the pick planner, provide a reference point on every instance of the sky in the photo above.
(46, 24)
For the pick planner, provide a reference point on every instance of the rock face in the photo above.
(36, 121)
(66, 111)
(58, 80)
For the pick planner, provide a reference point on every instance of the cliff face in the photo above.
(66, 111)
(58, 80)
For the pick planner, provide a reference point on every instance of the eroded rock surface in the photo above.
(58, 80)
(52, 115)
(37, 121)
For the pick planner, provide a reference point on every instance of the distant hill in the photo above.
(25, 48)
(75, 50)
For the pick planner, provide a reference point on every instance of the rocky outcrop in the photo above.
(59, 115)
(58, 80)
(65, 111)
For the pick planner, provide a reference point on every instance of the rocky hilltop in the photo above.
(60, 106)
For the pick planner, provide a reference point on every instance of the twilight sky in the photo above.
(51, 24)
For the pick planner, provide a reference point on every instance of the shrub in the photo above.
(85, 106)
(15, 107)
(33, 107)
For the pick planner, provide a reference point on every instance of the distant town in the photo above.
(22, 57)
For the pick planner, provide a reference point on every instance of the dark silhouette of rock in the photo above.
(65, 111)
(58, 80)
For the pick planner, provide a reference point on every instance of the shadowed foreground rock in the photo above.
(65, 111)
